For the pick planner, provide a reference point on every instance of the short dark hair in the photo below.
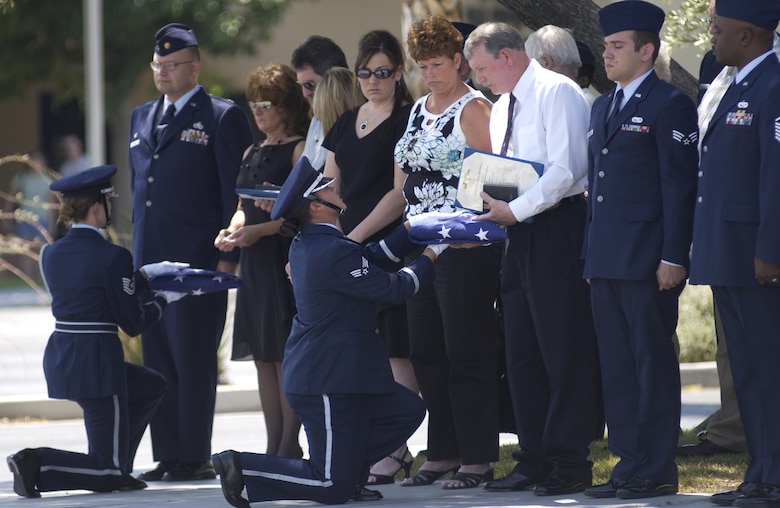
(642, 37)
(320, 53)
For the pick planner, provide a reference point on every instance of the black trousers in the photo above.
(551, 352)
(454, 341)
(115, 426)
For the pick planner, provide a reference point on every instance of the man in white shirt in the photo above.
(552, 361)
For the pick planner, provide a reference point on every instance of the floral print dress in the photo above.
(431, 153)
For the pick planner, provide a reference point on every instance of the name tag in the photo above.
(134, 143)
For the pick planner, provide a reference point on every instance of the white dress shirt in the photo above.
(550, 127)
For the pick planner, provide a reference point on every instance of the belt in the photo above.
(566, 201)
(85, 327)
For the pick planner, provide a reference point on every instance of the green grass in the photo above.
(696, 475)
(695, 327)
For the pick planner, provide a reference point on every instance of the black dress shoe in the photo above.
(605, 490)
(228, 465)
(704, 449)
(556, 485)
(727, 498)
(190, 471)
(132, 484)
(764, 495)
(638, 488)
(25, 465)
(156, 474)
(512, 481)
(364, 494)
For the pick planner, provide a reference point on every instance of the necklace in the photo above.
(364, 125)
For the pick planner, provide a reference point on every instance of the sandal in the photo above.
(427, 477)
(384, 479)
(468, 480)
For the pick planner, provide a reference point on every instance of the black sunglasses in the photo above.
(383, 73)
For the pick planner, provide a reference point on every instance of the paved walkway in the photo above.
(25, 324)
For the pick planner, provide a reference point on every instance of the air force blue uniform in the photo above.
(335, 370)
(183, 194)
(738, 219)
(94, 290)
(642, 184)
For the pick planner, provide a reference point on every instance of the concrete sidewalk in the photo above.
(29, 419)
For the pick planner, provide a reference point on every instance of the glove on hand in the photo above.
(438, 248)
(170, 296)
(153, 270)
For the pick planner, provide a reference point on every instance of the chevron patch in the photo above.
(685, 139)
(360, 271)
(128, 286)
(777, 129)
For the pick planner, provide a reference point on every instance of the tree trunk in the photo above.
(581, 16)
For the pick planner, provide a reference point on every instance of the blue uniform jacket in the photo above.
(641, 183)
(738, 204)
(184, 188)
(92, 281)
(334, 346)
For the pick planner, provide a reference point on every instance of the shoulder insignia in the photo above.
(359, 272)
(685, 139)
(128, 286)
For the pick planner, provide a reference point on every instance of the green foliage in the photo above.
(44, 43)
(696, 326)
(688, 24)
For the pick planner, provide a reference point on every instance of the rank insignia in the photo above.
(685, 139)
(777, 129)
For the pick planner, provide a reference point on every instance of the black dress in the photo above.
(264, 303)
(367, 170)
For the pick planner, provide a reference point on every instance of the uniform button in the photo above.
(701, 174)
(605, 151)
(704, 148)
(700, 199)
(148, 204)
(156, 156)
(601, 174)
(599, 198)
(150, 179)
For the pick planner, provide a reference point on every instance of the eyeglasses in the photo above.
(260, 106)
(167, 66)
(308, 85)
(383, 73)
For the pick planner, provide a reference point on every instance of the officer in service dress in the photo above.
(185, 152)
(335, 369)
(94, 292)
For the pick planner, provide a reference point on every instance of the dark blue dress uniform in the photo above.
(642, 183)
(335, 371)
(738, 219)
(94, 292)
(183, 194)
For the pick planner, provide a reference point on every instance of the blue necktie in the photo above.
(615, 110)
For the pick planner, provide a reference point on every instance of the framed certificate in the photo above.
(502, 177)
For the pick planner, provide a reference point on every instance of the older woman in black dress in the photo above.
(265, 304)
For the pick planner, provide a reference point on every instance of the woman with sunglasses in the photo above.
(360, 156)
(264, 303)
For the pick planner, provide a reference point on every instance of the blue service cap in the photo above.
(631, 15)
(465, 29)
(761, 13)
(303, 181)
(586, 55)
(92, 182)
(173, 37)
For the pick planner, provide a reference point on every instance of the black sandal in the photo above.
(384, 479)
(468, 480)
(427, 477)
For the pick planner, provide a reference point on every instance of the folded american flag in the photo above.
(458, 227)
(194, 281)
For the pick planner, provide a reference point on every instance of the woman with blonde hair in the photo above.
(336, 93)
